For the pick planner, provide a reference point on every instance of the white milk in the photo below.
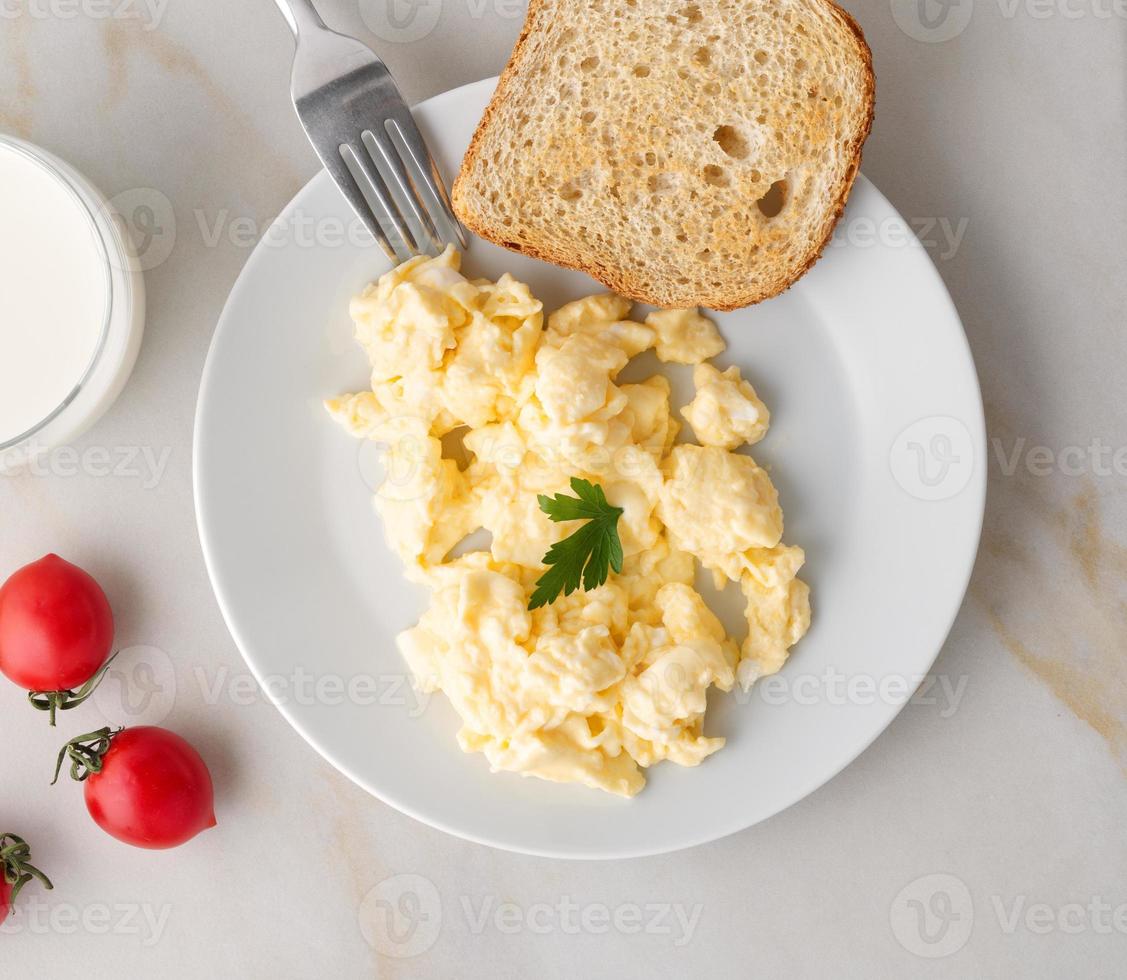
(53, 292)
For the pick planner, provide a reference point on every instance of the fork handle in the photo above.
(301, 15)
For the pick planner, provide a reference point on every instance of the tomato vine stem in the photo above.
(15, 857)
(86, 754)
(53, 701)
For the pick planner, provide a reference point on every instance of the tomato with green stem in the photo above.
(56, 633)
(145, 786)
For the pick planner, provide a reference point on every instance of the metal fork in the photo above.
(367, 139)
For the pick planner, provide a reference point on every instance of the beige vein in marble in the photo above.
(1053, 583)
(16, 113)
(124, 41)
(350, 843)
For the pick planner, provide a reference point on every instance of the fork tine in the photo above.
(401, 125)
(340, 173)
(355, 117)
(403, 193)
(382, 204)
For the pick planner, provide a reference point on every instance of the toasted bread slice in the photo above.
(682, 152)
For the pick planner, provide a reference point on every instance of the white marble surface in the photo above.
(1009, 134)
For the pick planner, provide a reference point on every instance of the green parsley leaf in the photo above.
(587, 555)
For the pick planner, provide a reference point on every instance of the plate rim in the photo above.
(976, 489)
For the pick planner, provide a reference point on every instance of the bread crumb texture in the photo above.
(682, 153)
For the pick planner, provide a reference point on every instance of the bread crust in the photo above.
(619, 280)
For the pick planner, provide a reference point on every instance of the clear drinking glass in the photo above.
(122, 324)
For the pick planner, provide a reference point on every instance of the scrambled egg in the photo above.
(726, 412)
(599, 685)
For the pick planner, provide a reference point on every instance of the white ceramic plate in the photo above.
(877, 447)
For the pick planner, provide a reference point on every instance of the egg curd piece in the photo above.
(726, 411)
(719, 506)
(445, 349)
(597, 686)
(684, 336)
(778, 611)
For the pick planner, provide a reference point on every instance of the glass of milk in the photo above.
(71, 303)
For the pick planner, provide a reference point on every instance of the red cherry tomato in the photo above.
(56, 628)
(16, 871)
(145, 786)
